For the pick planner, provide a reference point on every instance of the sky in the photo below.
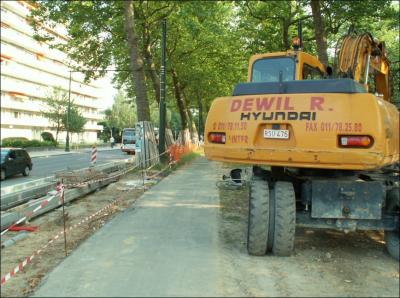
(108, 93)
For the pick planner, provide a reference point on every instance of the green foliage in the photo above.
(56, 103)
(208, 43)
(47, 136)
(25, 143)
(15, 139)
(121, 115)
(74, 121)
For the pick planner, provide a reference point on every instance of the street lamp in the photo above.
(161, 132)
(68, 111)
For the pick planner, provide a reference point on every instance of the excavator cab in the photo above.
(292, 65)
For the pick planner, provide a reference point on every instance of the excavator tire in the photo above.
(257, 235)
(392, 239)
(285, 219)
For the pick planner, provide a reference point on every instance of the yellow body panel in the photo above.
(313, 140)
(314, 121)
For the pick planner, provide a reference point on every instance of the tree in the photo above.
(74, 122)
(101, 33)
(56, 103)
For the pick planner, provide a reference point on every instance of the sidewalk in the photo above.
(43, 153)
(164, 245)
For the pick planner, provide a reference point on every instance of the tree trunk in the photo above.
(286, 43)
(180, 101)
(201, 121)
(136, 62)
(57, 131)
(192, 126)
(319, 32)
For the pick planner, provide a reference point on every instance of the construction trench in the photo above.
(129, 177)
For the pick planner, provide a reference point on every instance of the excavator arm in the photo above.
(359, 53)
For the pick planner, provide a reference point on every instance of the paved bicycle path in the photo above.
(165, 245)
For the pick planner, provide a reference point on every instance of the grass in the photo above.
(188, 157)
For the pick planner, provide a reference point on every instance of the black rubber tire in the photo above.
(3, 175)
(392, 239)
(271, 227)
(257, 234)
(285, 219)
(26, 171)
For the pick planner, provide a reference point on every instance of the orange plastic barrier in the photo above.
(176, 151)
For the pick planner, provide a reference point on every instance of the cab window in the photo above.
(268, 69)
(311, 73)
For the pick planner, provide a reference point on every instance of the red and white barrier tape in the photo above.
(28, 260)
(30, 213)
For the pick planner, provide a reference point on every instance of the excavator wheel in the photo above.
(257, 235)
(284, 219)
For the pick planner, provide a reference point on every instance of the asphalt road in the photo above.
(44, 166)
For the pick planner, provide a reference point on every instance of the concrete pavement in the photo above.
(164, 245)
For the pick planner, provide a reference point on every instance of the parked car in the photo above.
(15, 161)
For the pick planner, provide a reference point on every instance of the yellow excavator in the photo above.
(323, 146)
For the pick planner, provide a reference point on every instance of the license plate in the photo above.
(276, 134)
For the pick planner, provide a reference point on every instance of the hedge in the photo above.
(25, 143)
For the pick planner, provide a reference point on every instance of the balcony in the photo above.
(14, 6)
(45, 79)
(8, 119)
(12, 36)
(25, 105)
(24, 57)
(17, 22)
(93, 127)
(60, 71)
(30, 89)
(93, 116)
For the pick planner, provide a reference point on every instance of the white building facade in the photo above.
(29, 72)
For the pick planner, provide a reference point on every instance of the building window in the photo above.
(17, 115)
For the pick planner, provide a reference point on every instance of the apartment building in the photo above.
(29, 71)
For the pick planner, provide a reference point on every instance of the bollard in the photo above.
(94, 155)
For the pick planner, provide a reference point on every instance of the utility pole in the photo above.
(161, 142)
(68, 111)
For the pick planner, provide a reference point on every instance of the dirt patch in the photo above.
(126, 191)
(324, 263)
